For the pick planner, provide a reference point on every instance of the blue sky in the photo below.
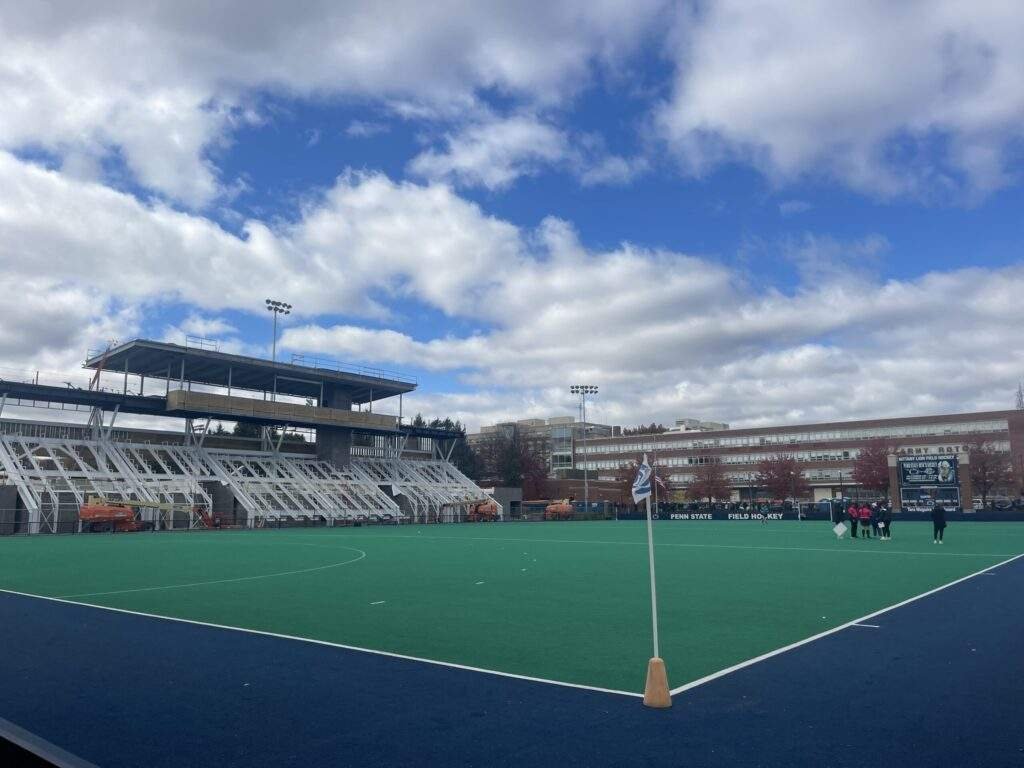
(749, 213)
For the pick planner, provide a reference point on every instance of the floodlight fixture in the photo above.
(278, 308)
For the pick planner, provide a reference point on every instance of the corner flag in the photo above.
(656, 692)
(642, 483)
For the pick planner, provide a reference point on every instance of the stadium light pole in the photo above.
(278, 308)
(583, 390)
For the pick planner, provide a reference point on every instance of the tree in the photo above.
(990, 470)
(645, 429)
(709, 482)
(871, 467)
(513, 459)
(463, 456)
(246, 429)
(627, 475)
(533, 466)
(255, 431)
(782, 478)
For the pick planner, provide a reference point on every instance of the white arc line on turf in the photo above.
(379, 602)
(866, 626)
(227, 581)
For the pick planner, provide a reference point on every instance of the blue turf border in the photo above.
(940, 683)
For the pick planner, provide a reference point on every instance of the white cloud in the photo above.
(792, 207)
(494, 153)
(200, 326)
(364, 129)
(612, 169)
(162, 84)
(49, 327)
(922, 98)
(664, 334)
(366, 236)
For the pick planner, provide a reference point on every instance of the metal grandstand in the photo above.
(180, 478)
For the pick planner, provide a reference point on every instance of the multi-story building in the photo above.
(826, 451)
(555, 438)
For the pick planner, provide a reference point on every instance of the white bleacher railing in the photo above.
(428, 490)
(56, 475)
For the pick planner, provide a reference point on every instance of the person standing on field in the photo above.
(886, 513)
(853, 515)
(938, 522)
(865, 520)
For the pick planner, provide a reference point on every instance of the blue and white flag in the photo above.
(642, 484)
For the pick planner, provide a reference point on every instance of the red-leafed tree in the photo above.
(991, 470)
(627, 474)
(871, 467)
(709, 483)
(782, 478)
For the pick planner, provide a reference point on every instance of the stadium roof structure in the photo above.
(302, 377)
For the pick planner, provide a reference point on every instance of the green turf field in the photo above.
(563, 601)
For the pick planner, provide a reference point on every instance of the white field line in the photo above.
(329, 644)
(868, 626)
(674, 691)
(669, 544)
(826, 633)
(228, 581)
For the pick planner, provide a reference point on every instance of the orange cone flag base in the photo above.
(656, 693)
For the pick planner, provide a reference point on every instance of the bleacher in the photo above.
(55, 475)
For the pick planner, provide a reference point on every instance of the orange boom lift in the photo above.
(559, 510)
(102, 516)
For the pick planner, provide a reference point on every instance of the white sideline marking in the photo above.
(580, 686)
(227, 581)
(688, 546)
(329, 644)
(827, 632)
(379, 602)
(867, 626)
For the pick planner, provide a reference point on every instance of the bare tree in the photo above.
(871, 467)
(533, 466)
(646, 429)
(709, 482)
(990, 470)
(782, 478)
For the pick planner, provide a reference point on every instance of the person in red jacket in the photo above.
(853, 514)
(864, 513)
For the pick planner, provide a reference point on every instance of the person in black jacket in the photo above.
(886, 512)
(938, 522)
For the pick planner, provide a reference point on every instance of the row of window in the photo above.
(671, 442)
(754, 458)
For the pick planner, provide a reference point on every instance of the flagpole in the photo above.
(656, 693)
(654, 587)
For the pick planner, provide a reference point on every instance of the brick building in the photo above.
(826, 451)
(554, 438)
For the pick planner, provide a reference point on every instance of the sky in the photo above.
(753, 212)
